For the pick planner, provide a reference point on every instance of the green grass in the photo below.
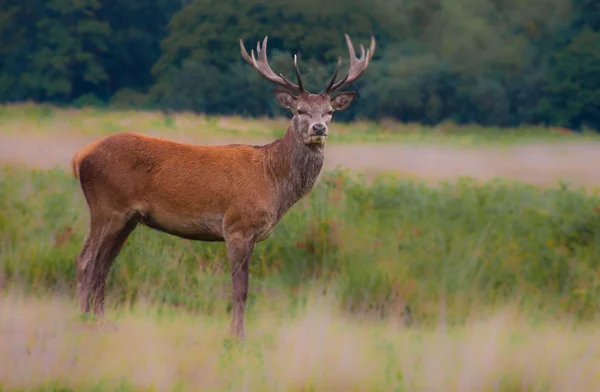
(494, 274)
(391, 241)
(32, 118)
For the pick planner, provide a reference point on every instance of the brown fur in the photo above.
(231, 193)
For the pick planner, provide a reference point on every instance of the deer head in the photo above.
(312, 112)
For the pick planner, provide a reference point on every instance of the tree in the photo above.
(136, 29)
(65, 60)
(492, 62)
(17, 38)
(207, 31)
(572, 87)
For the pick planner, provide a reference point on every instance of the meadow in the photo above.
(383, 284)
(94, 121)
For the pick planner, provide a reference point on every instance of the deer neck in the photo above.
(293, 168)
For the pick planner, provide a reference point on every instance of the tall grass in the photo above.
(501, 279)
(44, 347)
(447, 251)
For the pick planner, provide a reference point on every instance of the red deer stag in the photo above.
(228, 193)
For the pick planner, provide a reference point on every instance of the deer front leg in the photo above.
(239, 252)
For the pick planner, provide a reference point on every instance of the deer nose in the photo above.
(319, 129)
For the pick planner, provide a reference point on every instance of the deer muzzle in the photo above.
(317, 133)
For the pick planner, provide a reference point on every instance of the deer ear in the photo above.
(286, 99)
(342, 100)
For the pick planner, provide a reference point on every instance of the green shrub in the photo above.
(129, 98)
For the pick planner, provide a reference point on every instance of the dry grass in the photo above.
(539, 164)
(316, 350)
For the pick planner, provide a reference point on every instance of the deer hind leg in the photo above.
(100, 248)
(239, 252)
(82, 261)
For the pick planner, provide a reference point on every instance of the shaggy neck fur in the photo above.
(293, 167)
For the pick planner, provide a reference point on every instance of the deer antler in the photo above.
(263, 68)
(357, 66)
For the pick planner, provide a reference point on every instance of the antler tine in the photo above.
(335, 72)
(262, 67)
(298, 76)
(245, 55)
(357, 65)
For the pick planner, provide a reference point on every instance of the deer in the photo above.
(231, 193)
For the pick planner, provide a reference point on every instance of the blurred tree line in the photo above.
(491, 62)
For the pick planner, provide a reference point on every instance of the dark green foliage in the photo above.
(573, 84)
(491, 62)
(63, 51)
(207, 31)
(60, 50)
(137, 27)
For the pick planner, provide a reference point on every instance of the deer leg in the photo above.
(99, 251)
(82, 261)
(239, 251)
(113, 247)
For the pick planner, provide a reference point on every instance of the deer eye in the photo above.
(329, 113)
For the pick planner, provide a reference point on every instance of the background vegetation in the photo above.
(490, 62)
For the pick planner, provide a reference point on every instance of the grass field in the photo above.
(500, 278)
(45, 137)
(101, 122)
